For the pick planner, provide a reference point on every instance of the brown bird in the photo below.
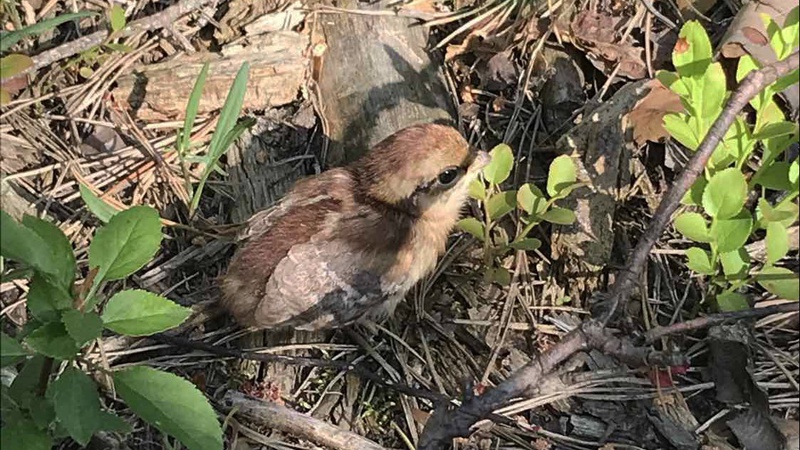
(345, 246)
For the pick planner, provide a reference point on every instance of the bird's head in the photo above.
(423, 169)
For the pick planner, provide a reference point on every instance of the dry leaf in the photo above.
(597, 34)
(646, 118)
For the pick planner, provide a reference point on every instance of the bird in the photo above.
(344, 246)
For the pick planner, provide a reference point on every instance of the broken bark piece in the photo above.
(600, 146)
(277, 71)
(374, 78)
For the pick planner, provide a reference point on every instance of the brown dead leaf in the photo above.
(541, 444)
(598, 35)
(647, 116)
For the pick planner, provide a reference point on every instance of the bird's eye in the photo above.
(448, 176)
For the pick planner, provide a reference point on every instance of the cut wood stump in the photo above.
(277, 71)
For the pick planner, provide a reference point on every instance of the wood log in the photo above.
(374, 78)
(277, 71)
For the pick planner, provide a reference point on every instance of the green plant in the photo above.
(225, 134)
(533, 206)
(54, 395)
(716, 218)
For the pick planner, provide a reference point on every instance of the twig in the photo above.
(754, 83)
(296, 424)
(297, 361)
(444, 425)
(159, 20)
(716, 319)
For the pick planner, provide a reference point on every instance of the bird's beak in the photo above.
(480, 160)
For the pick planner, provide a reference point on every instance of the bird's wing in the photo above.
(321, 284)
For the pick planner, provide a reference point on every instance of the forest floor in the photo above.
(532, 75)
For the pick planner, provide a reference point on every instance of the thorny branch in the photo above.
(446, 424)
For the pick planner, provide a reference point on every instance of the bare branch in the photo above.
(716, 319)
(299, 425)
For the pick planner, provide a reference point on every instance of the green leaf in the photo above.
(699, 260)
(775, 129)
(777, 242)
(122, 48)
(77, 406)
(562, 174)
(673, 82)
(477, 189)
(785, 81)
(117, 18)
(191, 108)
(731, 301)
(694, 196)
(472, 226)
(82, 327)
(46, 301)
(11, 38)
(141, 313)
(785, 213)
(20, 243)
(528, 244)
(794, 174)
(171, 404)
(11, 352)
(96, 205)
(499, 168)
(559, 216)
(223, 136)
(52, 339)
(713, 91)
(693, 226)
(780, 281)
(24, 435)
(776, 177)
(501, 204)
(531, 200)
(14, 64)
(42, 411)
(60, 247)
(735, 264)
(498, 275)
(738, 144)
(126, 243)
(23, 388)
(791, 28)
(692, 53)
(678, 127)
(731, 234)
(725, 194)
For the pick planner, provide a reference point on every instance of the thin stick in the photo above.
(159, 20)
(716, 319)
(296, 424)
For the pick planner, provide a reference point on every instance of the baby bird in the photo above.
(345, 246)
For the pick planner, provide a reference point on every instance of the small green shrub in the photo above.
(54, 396)
(716, 218)
(533, 206)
